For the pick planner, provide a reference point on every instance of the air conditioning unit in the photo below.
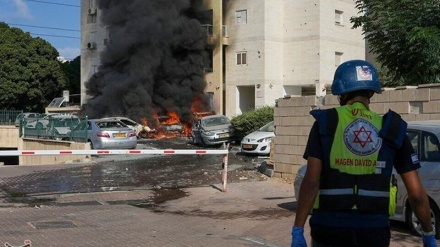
(92, 11)
(91, 45)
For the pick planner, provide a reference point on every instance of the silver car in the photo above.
(212, 130)
(104, 134)
(424, 136)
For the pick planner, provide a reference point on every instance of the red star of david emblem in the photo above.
(364, 133)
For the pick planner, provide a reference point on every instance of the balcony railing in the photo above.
(208, 29)
(225, 31)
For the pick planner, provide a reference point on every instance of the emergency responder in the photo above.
(351, 152)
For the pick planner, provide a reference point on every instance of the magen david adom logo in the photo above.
(362, 138)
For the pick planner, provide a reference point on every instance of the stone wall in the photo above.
(293, 120)
(43, 144)
(8, 136)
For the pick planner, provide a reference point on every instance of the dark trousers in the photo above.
(350, 237)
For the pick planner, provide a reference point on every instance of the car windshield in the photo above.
(268, 127)
(213, 121)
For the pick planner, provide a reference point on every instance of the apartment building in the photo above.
(262, 50)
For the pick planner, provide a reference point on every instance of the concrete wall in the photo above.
(41, 144)
(8, 136)
(293, 120)
(9, 139)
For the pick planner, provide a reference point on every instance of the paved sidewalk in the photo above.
(249, 213)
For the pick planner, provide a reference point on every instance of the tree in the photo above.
(405, 37)
(72, 70)
(30, 74)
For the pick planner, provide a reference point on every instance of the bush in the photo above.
(251, 121)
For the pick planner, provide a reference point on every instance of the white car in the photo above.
(141, 130)
(43, 121)
(27, 116)
(58, 127)
(258, 142)
(424, 136)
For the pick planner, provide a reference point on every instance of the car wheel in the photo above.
(193, 139)
(202, 142)
(91, 144)
(414, 223)
(143, 134)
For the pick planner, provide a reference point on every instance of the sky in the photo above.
(56, 21)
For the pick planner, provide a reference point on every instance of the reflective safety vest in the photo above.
(359, 148)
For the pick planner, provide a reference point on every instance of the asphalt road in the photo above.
(125, 172)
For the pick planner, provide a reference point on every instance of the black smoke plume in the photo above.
(153, 62)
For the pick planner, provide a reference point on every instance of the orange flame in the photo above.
(163, 125)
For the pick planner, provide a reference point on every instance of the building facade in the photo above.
(261, 50)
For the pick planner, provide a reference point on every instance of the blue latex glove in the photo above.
(298, 239)
(428, 241)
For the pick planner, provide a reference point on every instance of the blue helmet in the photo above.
(355, 75)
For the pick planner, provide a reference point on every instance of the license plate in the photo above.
(247, 146)
(119, 135)
(223, 135)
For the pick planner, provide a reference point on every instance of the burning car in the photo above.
(141, 130)
(170, 125)
(166, 126)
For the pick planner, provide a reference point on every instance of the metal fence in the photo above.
(60, 127)
(7, 117)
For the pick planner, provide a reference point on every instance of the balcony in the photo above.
(225, 37)
(209, 31)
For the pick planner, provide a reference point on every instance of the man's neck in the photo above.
(365, 101)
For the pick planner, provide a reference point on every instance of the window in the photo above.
(241, 58)
(430, 147)
(241, 17)
(107, 36)
(91, 19)
(338, 17)
(92, 4)
(208, 29)
(414, 139)
(338, 58)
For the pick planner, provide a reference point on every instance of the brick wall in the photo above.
(293, 121)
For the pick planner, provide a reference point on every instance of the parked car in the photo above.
(104, 134)
(44, 119)
(424, 136)
(26, 116)
(170, 125)
(212, 130)
(58, 127)
(141, 130)
(258, 142)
